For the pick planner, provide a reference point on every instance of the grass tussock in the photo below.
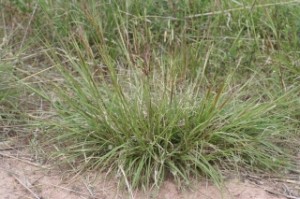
(154, 89)
(152, 133)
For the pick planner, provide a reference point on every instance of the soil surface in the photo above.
(22, 177)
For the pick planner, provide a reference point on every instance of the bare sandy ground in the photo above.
(21, 178)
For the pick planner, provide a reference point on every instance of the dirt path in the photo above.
(23, 178)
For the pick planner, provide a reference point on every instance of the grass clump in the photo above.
(146, 127)
(154, 89)
(151, 134)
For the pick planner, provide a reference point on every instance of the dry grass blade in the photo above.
(24, 161)
(24, 184)
(242, 8)
(74, 191)
(127, 182)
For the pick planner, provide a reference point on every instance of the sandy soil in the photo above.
(21, 177)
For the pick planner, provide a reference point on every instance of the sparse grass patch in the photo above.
(8, 101)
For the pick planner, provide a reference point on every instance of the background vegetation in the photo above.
(148, 90)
